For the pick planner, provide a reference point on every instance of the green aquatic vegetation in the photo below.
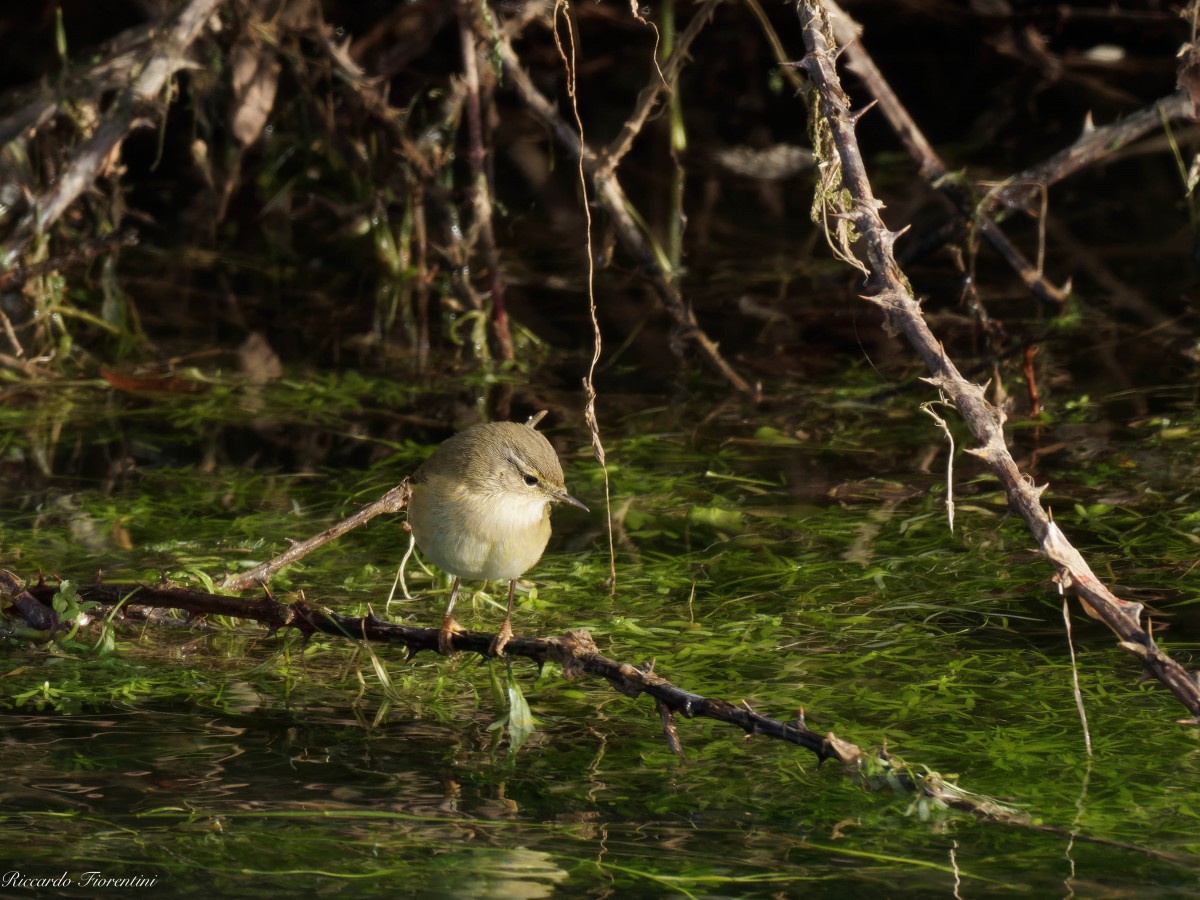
(854, 601)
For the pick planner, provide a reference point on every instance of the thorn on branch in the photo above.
(855, 116)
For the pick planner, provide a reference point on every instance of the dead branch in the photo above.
(166, 56)
(612, 198)
(1093, 145)
(480, 190)
(889, 289)
(575, 652)
(41, 103)
(390, 504)
(660, 81)
(932, 168)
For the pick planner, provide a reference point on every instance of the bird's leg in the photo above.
(504, 635)
(449, 626)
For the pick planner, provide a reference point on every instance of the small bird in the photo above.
(480, 509)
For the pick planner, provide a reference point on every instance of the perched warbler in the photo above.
(480, 509)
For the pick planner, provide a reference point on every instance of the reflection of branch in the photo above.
(888, 289)
(79, 252)
(159, 67)
(612, 198)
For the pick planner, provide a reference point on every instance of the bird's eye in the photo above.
(531, 480)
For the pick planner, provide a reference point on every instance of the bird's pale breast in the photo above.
(475, 535)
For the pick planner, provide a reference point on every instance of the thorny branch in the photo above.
(889, 289)
(575, 652)
(578, 656)
(931, 166)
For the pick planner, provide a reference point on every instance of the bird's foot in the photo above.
(445, 633)
(500, 641)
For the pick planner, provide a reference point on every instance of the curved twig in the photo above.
(660, 81)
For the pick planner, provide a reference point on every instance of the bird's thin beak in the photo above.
(567, 498)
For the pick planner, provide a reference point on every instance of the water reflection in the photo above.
(295, 800)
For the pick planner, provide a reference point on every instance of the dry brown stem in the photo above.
(589, 379)
(889, 289)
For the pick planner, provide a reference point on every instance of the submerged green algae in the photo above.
(790, 568)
